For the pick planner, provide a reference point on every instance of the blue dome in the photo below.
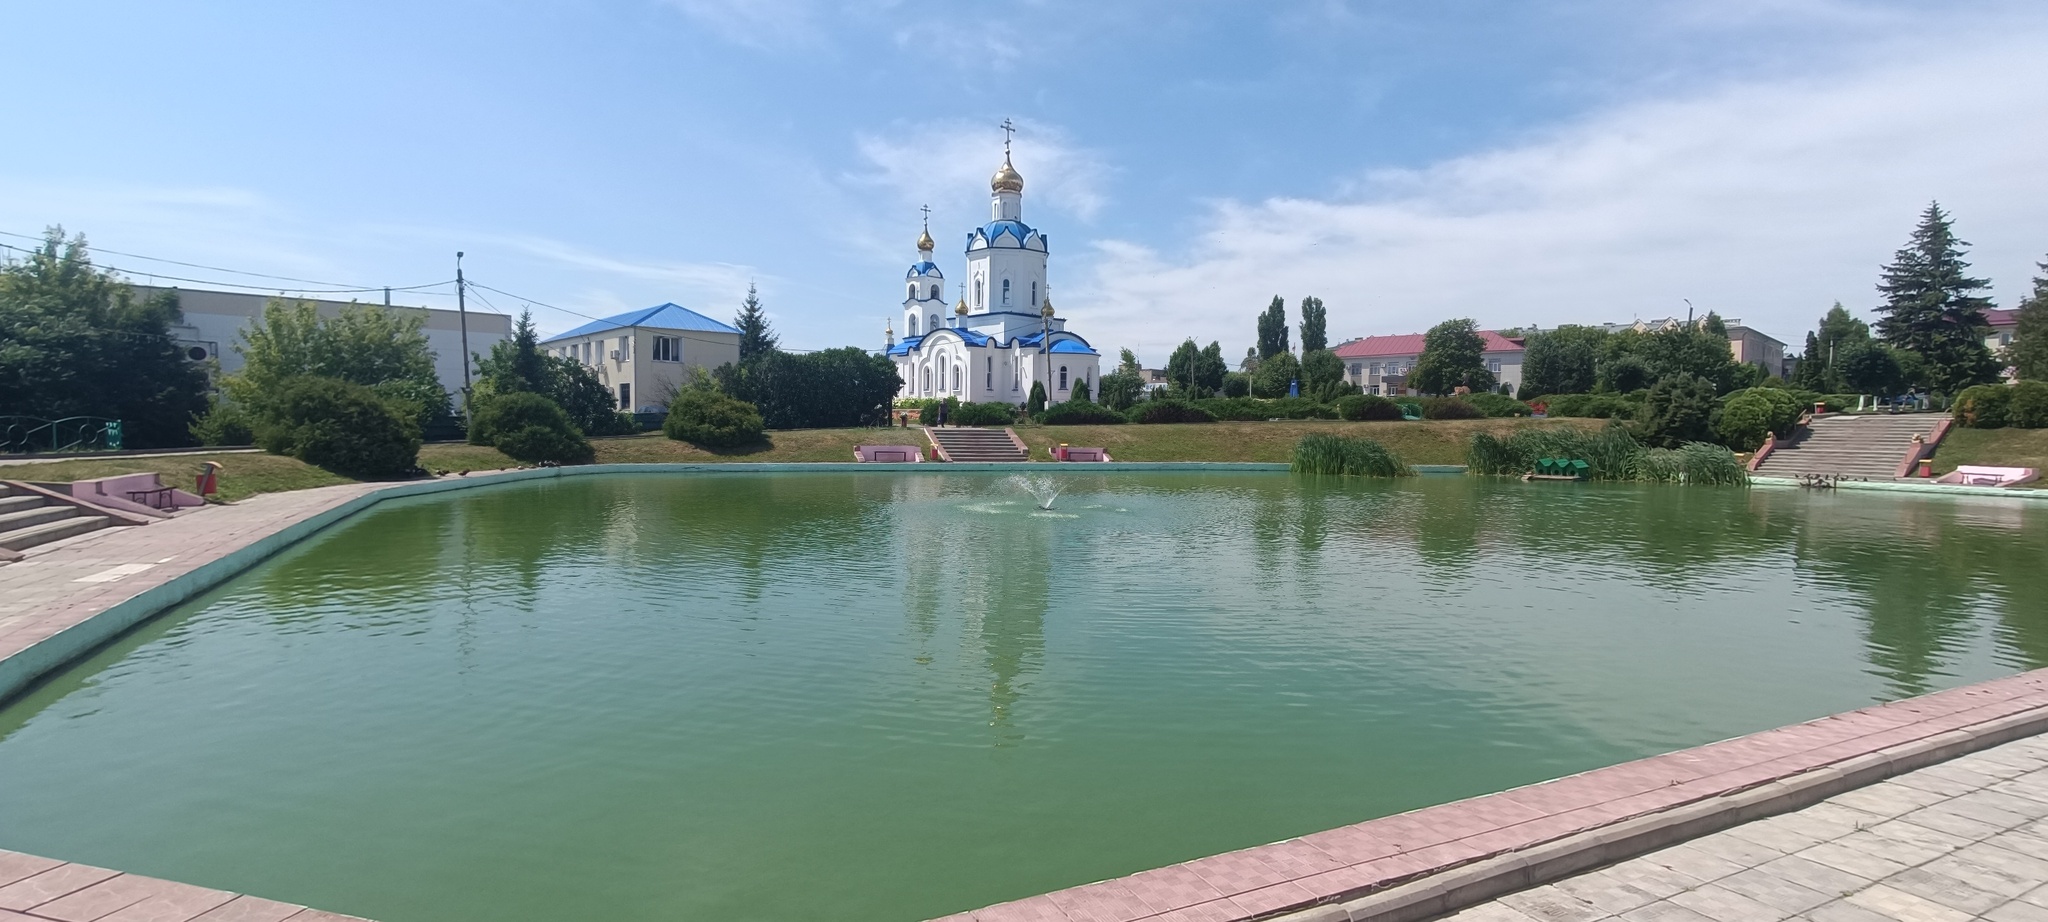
(1018, 231)
(924, 268)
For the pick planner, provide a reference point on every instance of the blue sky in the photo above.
(1511, 162)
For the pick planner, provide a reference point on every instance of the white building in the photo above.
(1002, 335)
(1380, 364)
(643, 355)
(214, 321)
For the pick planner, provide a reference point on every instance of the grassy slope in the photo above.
(247, 474)
(1995, 448)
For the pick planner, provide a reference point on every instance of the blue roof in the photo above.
(924, 268)
(1073, 346)
(906, 344)
(993, 229)
(665, 316)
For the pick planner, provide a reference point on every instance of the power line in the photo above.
(159, 259)
(533, 302)
(158, 275)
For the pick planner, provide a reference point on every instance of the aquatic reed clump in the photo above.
(1347, 455)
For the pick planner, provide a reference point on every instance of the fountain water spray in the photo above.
(1045, 489)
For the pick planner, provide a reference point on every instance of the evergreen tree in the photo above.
(1036, 402)
(1180, 367)
(1813, 367)
(1273, 329)
(1315, 332)
(1931, 307)
(1128, 363)
(2028, 353)
(755, 336)
(1563, 361)
(1453, 356)
(1210, 369)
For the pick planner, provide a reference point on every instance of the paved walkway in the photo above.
(1966, 839)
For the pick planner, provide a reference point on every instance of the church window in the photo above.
(910, 291)
(934, 327)
(913, 325)
(1034, 294)
(935, 292)
(927, 379)
(1006, 292)
(977, 291)
(1063, 377)
(989, 367)
(956, 379)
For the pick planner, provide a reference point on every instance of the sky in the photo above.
(1516, 163)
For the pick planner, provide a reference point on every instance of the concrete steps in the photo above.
(28, 518)
(1837, 445)
(977, 444)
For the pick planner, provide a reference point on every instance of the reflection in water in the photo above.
(921, 694)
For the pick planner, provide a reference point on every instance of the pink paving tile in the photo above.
(1033, 909)
(315, 915)
(250, 909)
(1407, 830)
(1296, 858)
(1236, 872)
(15, 866)
(1278, 896)
(56, 882)
(1394, 868)
(1562, 794)
(1350, 844)
(1344, 882)
(1108, 901)
(1170, 887)
(108, 896)
(1218, 911)
(178, 903)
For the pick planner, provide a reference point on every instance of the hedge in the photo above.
(1169, 411)
(1359, 407)
(528, 427)
(1450, 408)
(343, 427)
(709, 419)
(1498, 405)
(1079, 413)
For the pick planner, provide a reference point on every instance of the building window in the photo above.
(913, 325)
(1063, 377)
(1355, 368)
(625, 396)
(910, 291)
(1493, 365)
(626, 348)
(2005, 339)
(1034, 294)
(956, 379)
(586, 353)
(668, 348)
(1006, 292)
(977, 291)
(934, 326)
(927, 380)
(935, 292)
(989, 366)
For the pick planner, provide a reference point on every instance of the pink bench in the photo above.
(887, 454)
(1979, 476)
(1064, 453)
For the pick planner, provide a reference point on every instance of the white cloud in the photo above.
(1761, 201)
(756, 23)
(951, 161)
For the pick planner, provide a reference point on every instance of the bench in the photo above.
(1982, 476)
(888, 454)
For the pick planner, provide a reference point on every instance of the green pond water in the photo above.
(887, 697)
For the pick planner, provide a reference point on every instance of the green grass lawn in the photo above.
(1432, 442)
(1994, 448)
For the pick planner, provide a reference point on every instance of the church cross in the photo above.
(927, 209)
(1008, 130)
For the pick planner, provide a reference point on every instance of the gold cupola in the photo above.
(1045, 310)
(961, 308)
(1007, 179)
(925, 243)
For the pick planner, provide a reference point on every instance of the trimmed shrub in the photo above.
(1237, 384)
(1298, 408)
(2028, 408)
(1498, 405)
(1983, 407)
(1080, 413)
(1360, 407)
(1745, 421)
(1345, 455)
(223, 423)
(708, 419)
(928, 411)
(1080, 392)
(528, 427)
(343, 427)
(1169, 411)
(982, 414)
(1679, 409)
(1588, 406)
(1035, 404)
(1450, 408)
(1235, 409)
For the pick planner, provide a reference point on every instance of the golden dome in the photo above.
(1007, 179)
(961, 308)
(1046, 310)
(924, 241)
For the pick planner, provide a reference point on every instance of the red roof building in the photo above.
(1380, 364)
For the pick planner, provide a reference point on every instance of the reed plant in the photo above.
(1610, 454)
(1346, 455)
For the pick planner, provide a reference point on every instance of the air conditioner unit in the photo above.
(616, 355)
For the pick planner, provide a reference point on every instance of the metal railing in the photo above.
(73, 434)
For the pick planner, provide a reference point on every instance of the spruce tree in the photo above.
(755, 336)
(1315, 331)
(1813, 366)
(1180, 367)
(1932, 309)
(1210, 369)
(1273, 329)
(2028, 353)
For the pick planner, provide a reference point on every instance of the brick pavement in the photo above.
(1966, 839)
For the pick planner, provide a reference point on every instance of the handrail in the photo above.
(1924, 449)
(1771, 442)
(29, 434)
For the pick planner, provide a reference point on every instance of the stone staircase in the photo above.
(1857, 447)
(977, 444)
(28, 518)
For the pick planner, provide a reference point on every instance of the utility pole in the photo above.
(462, 317)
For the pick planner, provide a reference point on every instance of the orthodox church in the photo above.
(1002, 335)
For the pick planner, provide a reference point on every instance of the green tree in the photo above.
(1273, 329)
(1210, 369)
(1322, 376)
(1931, 307)
(831, 388)
(75, 342)
(1036, 402)
(1812, 373)
(1275, 374)
(1563, 361)
(1870, 368)
(1679, 409)
(2029, 350)
(378, 348)
(1181, 367)
(1453, 356)
(518, 365)
(755, 336)
(1315, 329)
(1697, 350)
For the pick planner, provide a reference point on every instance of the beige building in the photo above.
(214, 321)
(643, 355)
(1755, 348)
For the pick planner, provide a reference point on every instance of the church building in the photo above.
(1002, 335)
